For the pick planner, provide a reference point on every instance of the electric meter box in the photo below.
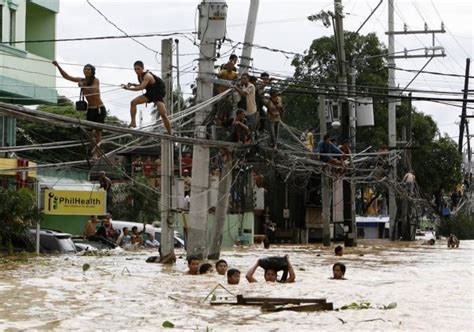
(365, 112)
(212, 20)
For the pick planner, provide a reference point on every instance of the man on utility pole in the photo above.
(226, 176)
(212, 25)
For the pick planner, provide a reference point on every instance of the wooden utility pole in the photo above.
(430, 52)
(464, 106)
(347, 189)
(212, 18)
(225, 183)
(167, 165)
(325, 180)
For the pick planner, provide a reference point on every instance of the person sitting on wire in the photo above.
(90, 89)
(155, 91)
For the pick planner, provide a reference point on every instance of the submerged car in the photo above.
(53, 241)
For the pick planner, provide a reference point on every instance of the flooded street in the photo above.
(432, 287)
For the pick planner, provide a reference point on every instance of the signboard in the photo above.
(65, 202)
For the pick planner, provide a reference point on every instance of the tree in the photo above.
(39, 132)
(135, 200)
(17, 210)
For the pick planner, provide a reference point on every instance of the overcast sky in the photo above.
(281, 25)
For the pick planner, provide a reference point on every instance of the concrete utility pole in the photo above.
(325, 180)
(392, 111)
(212, 18)
(167, 165)
(347, 189)
(226, 177)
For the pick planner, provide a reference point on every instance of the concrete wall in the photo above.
(26, 77)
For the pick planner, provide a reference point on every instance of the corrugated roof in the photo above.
(67, 184)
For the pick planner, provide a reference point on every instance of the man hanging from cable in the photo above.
(155, 91)
(90, 89)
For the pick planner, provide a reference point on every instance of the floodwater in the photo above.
(431, 285)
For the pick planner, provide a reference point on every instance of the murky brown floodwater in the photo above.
(432, 286)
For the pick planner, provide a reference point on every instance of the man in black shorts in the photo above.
(91, 91)
(155, 91)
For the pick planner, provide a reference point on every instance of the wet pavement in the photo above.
(431, 285)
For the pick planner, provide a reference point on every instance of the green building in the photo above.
(27, 76)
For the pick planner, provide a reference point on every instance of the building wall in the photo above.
(26, 73)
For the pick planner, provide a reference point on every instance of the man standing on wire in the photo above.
(91, 91)
(155, 91)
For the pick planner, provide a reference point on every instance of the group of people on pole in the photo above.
(249, 111)
(252, 108)
(155, 91)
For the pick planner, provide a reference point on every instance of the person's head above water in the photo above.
(270, 275)
(338, 270)
(221, 266)
(338, 251)
(233, 277)
(205, 268)
(193, 265)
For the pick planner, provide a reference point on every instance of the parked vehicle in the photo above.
(149, 229)
(425, 235)
(53, 241)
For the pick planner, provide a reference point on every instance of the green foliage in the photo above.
(17, 210)
(135, 201)
(461, 225)
(85, 267)
(437, 164)
(38, 132)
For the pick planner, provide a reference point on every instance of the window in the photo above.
(12, 26)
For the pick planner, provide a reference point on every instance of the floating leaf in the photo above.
(85, 267)
(167, 324)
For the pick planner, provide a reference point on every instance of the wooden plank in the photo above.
(301, 308)
(275, 300)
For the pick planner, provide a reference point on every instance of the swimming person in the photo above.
(233, 276)
(271, 266)
(338, 271)
(193, 265)
(221, 267)
(339, 251)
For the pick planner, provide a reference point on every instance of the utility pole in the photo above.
(226, 175)
(325, 180)
(392, 107)
(464, 105)
(167, 165)
(212, 20)
(392, 114)
(347, 189)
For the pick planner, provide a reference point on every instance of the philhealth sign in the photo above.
(66, 202)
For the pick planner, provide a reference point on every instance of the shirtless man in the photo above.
(91, 227)
(95, 107)
(193, 265)
(154, 93)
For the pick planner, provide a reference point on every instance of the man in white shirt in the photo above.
(247, 90)
(409, 179)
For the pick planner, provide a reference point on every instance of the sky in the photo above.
(280, 24)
